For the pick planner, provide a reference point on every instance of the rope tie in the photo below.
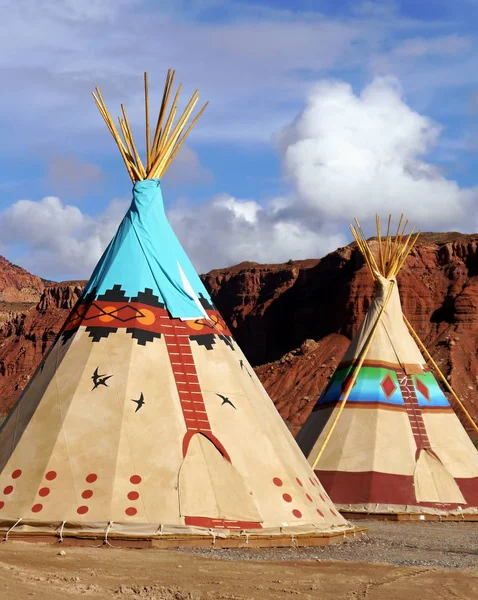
(246, 543)
(5, 539)
(110, 525)
(61, 531)
(293, 540)
(211, 531)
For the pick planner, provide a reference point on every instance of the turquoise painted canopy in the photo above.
(146, 254)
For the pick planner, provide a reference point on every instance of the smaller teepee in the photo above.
(383, 437)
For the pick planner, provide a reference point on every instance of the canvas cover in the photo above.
(145, 418)
(398, 445)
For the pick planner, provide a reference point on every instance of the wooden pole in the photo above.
(109, 123)
(162, 112)
(379, 237)
(400, 265)
(137, 158)
(185, 135)
(364, 250)
(173, 138)
(355, 373)
(394, 247)
(169, 122)
(364, 239)
(401, 252)
(437, 368)
(387, 243)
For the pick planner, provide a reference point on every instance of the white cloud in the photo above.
(227, 230)
(346, 156)
(354, 155)
(60, 241)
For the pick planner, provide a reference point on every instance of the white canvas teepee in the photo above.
(383, 437)
(145, 419)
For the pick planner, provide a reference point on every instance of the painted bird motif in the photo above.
(226, 400)
(99, 379)
(139, 402)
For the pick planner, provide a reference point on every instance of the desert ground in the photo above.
(396, 561)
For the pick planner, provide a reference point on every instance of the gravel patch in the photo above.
(433, 544)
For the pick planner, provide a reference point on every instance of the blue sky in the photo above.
(317, 109)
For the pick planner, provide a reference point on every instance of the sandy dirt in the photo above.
(37, 571)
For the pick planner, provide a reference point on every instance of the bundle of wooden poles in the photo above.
(392, 251)
(168, 136)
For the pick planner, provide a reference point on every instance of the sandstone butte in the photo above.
(293, 321)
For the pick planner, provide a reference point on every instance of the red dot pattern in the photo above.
(135, 479)
(2, 504)
(288, 498)
(82, 510)
(131, 511)
(51, 475)
(16, 474)
(44, 492)
(37, 508)
(87, 494)
(8, 489)
(133, 496)
(91, 478)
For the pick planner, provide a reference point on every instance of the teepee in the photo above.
(383, 437)
(145, 420)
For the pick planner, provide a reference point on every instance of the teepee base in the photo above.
(355, 516)
(196, 541)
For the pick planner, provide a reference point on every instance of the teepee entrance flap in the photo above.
(433, 483)
(209, 486)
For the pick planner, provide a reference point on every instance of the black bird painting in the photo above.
(99, 379)
(226, 400)
(139, 402)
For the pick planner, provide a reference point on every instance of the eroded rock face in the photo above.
(294, 321)
(26, 337)
(17, 285)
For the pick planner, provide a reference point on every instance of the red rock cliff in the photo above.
(27, 335)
